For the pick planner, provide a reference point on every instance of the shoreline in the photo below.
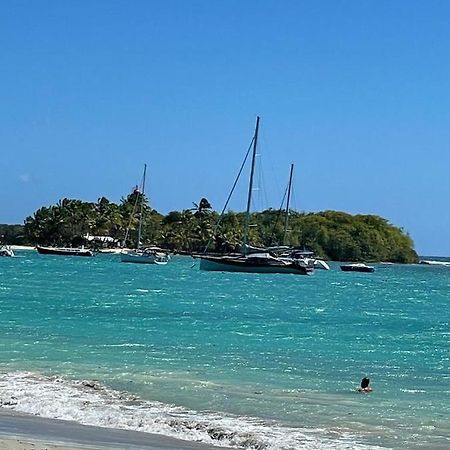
(23, 247)
(19, 431)
(118, 250)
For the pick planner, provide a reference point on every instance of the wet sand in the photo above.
(26, 432)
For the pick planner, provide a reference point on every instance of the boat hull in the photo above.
(6, 250)
(64, 251)
(434, 263)
(222, 264)
(357, 269)
(320, 264)
(139, 258)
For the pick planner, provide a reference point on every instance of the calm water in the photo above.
(254, 361)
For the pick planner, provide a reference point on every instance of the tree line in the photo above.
(332, 235)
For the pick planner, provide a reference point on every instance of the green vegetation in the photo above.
(12, 235)
(330, 234)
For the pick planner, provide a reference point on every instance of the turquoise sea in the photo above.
(253, 361)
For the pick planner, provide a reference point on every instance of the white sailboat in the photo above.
(304, 257)
(253, 260)
(143, 255)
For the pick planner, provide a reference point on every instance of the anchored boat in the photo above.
(253, 260)
(143, 255)
(357, 267)
(64, 251)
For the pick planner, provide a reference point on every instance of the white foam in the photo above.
(90, 403)
(414, 391)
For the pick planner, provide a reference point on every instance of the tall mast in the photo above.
(142, 208)
(286, 220)
(250, 185)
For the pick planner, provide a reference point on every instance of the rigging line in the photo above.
(260, 200)
(294, 202)
(141, 213)
(272, 234)
(141, 187)
(256, 203)
(263, 186)
(229, 195)
(286, 219)
(266, 168)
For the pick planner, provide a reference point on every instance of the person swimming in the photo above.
(365, 385)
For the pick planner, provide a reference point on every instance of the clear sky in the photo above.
(355, 93)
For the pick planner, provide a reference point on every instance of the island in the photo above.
(331, 235)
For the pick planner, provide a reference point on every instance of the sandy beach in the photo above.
(26, 432)
(104, 250)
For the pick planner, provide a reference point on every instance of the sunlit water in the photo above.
(247, 360)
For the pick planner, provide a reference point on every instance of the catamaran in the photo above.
(301, 256)
(251, 259)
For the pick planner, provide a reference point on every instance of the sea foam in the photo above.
(90, 403)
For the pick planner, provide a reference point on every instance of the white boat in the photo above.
(253, 261)
(143, 255)
(302, 257)
(321, 264)
(434, 263)
(6, 250)
(357, 267)
(148, 255)
(307, 257)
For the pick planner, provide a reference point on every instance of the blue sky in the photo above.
(355, 93)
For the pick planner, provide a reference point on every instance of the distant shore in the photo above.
(437, 260)
(31, 247)
(27, 432)
(23, 247)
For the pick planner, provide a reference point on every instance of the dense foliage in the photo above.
(13, 234)
(330, 234)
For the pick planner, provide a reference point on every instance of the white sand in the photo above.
(26, 432)
(26, 444)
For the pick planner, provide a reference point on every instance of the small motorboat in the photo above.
(6, 250)
(357, 267)
(434, 263)
(64, 251)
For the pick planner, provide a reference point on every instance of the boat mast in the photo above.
(142, 208)
(286, 220)
(250, 186)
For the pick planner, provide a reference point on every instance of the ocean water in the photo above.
(252, 361)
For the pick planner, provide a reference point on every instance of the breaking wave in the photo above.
(90, 403)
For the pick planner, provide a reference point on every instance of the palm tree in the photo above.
(202, 207)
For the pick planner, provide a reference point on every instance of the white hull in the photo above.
(6, 250)
(144, 258)
(435, 263)
(320, 264)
